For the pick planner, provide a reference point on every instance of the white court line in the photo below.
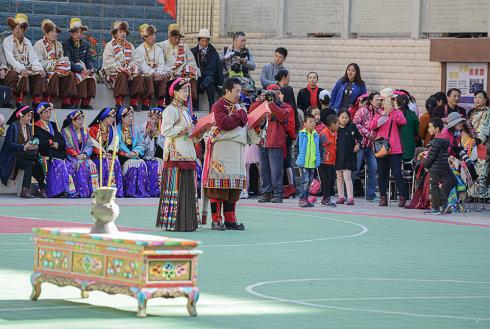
(250, 290)
(363, 231)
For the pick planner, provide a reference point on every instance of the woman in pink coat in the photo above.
(385, 124)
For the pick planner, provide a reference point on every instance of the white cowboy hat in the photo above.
(204, 33)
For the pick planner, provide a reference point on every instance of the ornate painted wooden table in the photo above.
(138, 265)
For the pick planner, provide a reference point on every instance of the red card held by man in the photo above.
(259, 114)
(203, 124)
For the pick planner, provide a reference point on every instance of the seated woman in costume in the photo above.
(52, 148)
(153, 146)
(131, 152)
(79, 149)
(178, 209)
(102, 133)
(20, 151)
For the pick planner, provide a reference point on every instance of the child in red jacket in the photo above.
(328, 150)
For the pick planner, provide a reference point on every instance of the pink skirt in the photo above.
(252, 154)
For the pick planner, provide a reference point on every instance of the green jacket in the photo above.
(409, 135)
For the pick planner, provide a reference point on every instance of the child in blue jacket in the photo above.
(308, 160)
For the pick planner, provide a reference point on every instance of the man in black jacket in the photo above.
(82, 64)
(442, 180)
(207, 59)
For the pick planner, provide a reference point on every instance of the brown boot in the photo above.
(384, 201)
(25, 194)
(402, 202)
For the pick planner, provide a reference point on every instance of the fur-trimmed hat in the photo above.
(47, 26)
(174, 29)
(146, 30)
(120, 25)
(19, 18)
(76, 24)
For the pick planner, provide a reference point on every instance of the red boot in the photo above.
(217, 224)
(230, 217)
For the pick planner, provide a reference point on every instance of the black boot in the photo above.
(235, 226)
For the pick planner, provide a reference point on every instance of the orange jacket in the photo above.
(328, 146)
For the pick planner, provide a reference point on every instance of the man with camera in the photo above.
(237, 60)
(272, 145)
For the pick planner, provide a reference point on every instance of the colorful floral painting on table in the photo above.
(123, 268)
(53, 259)
(169, 270)
(88, 264)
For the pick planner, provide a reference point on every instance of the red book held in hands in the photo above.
(203, 124)
(257, 115)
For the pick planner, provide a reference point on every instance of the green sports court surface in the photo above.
(355, 267)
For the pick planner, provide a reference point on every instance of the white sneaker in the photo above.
(243, 195)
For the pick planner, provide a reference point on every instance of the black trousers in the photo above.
(210, 90)
(32, 168)
(393, 162)
(441, 184)
(327, 178)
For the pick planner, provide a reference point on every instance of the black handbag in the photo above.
(382, 145)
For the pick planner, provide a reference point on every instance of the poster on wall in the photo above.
(467, 77)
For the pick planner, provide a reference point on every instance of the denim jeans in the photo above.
(306, 178)
(371, 167)
(271, 170)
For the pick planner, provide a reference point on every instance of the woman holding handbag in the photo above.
(387, 146)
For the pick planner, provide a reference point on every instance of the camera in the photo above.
(269, 96)
(243, 53)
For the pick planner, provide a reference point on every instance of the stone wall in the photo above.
(398, 63)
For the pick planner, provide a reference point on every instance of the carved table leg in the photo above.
(191, 307)
(84, 293)
(36, 286)
(36, 291)
(141, 308)
(192, 298)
